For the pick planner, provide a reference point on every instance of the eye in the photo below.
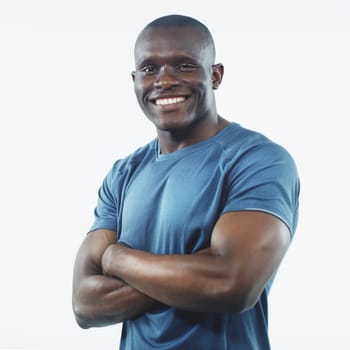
(186, 67)
(148, 69)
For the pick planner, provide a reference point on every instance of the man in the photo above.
(190, 229)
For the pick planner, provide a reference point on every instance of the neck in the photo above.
(174, 140)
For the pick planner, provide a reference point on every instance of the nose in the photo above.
(166, 78)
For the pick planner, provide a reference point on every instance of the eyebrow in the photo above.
(174, 60)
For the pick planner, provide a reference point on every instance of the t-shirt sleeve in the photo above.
(266, 180)
(106, 211)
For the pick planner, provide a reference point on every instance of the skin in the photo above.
(100, 300)
(178, 63)
(112, 282)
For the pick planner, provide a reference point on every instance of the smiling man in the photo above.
(190, 229)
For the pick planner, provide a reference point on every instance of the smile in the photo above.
(169, 101)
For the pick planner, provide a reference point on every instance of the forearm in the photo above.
(101, 301)
(195, 282)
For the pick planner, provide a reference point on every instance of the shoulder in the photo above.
(245, 147)
(119, 175)
(133, 160)
(262, 176)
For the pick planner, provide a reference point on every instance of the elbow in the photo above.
(240, 303)
(238, 298)
(243, 303)
(80, 318)
(82, 323)
(81, 315)
(88, 316)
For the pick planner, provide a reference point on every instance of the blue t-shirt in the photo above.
(169, 204)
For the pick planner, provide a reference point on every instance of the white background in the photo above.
(68, 111)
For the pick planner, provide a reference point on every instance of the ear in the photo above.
(217, 75)
(133, 76)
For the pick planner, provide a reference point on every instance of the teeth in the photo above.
(169, 101)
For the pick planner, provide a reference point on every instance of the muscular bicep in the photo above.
(252, 245)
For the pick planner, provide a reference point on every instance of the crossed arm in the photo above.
(113, 283)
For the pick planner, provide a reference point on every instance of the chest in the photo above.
(172, 207)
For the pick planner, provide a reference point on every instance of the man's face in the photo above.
(173, 77)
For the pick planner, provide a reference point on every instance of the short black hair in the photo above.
(182, 21)
(178, 21)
